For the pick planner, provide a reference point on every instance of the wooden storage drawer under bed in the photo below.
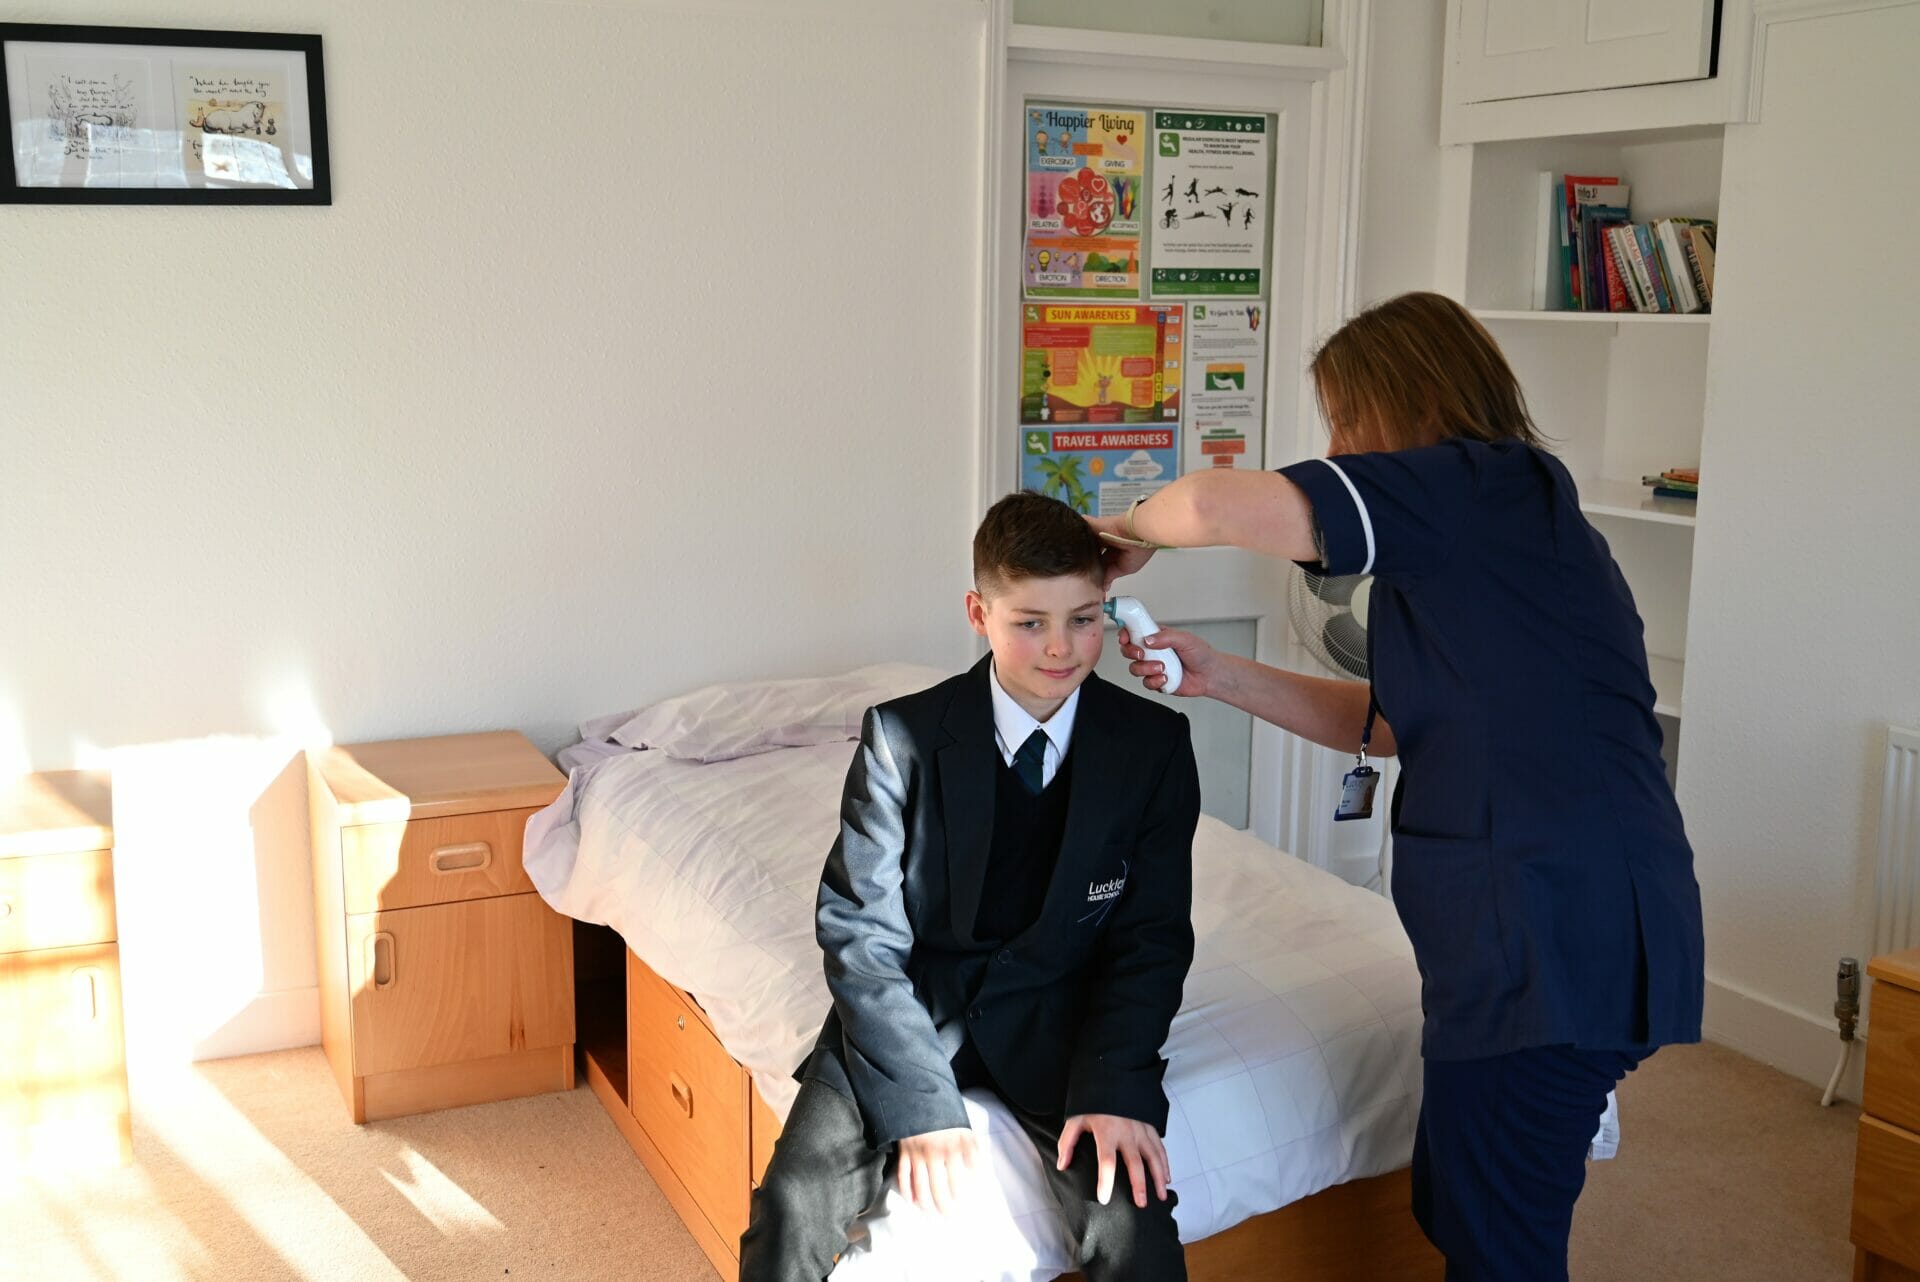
(692, 1098)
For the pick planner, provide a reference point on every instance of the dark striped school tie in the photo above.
(1028, 762)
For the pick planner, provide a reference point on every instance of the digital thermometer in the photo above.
(1129, 613)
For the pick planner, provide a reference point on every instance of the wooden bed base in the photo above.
(692, 1115)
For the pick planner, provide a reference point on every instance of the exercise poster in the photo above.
(1086, 200)
(1211, 203)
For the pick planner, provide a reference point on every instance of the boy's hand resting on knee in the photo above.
(934, 1168)
(1115, 1138)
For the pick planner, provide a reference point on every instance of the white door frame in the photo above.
(1292, 780)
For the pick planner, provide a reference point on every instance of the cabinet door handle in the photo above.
(86, 992)
(6, 909)
(380, 968)
(470, 856)
(682, 1093)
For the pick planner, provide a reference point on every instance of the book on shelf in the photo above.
(1669, 233)
(1699, 243)
(1577, 190)
(1625, 250)
(1606, 262)
(1549, 253)
(1652, 271)
(1600, 287)
(1675, 483)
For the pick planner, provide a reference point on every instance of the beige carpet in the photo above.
(248, 1169)
(1727, 1170)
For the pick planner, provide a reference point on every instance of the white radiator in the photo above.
(1896, 900)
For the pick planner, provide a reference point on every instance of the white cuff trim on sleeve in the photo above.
(1366, 521)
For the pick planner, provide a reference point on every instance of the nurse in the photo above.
(1540, 865)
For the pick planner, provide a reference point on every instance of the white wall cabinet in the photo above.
(1549, 68)
(1526, 48)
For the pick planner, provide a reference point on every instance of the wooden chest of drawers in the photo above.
(444, 977)
(63, 1074)
(1886, 1176)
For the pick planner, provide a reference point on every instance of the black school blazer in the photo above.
(1070, 1017)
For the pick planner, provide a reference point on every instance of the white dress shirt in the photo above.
(1012, 724)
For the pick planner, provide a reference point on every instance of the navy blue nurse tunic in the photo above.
(1540, 866)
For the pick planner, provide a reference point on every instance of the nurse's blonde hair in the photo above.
(1417, 370)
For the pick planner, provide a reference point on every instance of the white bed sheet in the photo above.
(1293, 1064)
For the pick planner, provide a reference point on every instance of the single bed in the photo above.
(1293, 1065)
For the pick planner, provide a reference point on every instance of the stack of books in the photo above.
(1675, 483)
(1613, 264)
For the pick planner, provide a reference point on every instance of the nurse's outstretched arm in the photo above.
(1260, 511)
(1326, 711)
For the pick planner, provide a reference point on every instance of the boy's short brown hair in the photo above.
(1030, 536)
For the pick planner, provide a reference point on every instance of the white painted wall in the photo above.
(1804, 632)
(638, 350)
(1401, 181)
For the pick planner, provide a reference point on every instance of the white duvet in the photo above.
(1294, 1061)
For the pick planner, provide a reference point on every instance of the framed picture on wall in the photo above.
(150, 115)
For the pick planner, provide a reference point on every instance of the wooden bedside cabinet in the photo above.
(63, 1072)
(1886, 1171)
(444, 978)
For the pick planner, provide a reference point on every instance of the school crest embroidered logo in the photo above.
(1103, 895)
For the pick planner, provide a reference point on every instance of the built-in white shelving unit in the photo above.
(1633, 502)
(1619, 395)
(1591, 318)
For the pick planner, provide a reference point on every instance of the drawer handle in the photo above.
(682, 1094)
(380, 968)
(86, 992)
(469, 856)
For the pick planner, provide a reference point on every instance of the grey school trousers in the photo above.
(823, 1175)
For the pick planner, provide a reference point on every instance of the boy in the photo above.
(1008, 906)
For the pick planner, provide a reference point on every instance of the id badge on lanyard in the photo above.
(1357, 789)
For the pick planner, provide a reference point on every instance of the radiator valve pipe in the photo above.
(1846, 1009)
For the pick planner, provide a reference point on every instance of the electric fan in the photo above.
(1329, 615)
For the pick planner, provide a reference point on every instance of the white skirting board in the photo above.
(1797, 1044)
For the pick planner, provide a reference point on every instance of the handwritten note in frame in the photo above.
(137, 115)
